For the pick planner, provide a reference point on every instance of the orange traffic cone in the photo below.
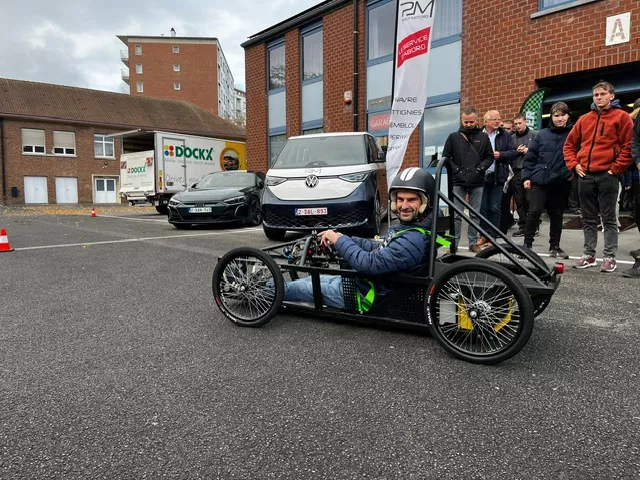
(5, 246)
(93, 212)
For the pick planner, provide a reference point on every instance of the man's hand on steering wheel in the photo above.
(329, 238)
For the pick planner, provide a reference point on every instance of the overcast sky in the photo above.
(73, 42)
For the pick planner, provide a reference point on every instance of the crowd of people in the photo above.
(585, 166)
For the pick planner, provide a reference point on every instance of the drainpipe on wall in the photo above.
(355, 66)
(4, 176)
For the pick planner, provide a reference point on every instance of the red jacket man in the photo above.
(598, 150)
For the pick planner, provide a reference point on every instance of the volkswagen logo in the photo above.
(311, 181)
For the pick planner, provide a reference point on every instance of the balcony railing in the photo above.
(124, 56)
(125, 75)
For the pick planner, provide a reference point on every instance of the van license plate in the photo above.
(200, 210)
(311, 211)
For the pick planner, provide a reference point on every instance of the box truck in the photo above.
(154, 165)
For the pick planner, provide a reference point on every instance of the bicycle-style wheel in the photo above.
(248, 287)
(479, 311)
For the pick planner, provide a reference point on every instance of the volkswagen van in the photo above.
(327, 180)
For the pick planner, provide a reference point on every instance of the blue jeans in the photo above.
(491, 204)
(301, 290)
(475, 200)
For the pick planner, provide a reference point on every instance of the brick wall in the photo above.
(525, 49)
(82, 166)
(292, 44)
(198, 75)
(257, 122)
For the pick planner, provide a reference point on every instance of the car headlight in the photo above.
(174, 201)
(355, 177)
(234, 200)
(271, 181)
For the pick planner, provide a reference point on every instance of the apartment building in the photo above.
(193, 69)
(490, 55)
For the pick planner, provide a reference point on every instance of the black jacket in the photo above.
(525, 138)
(507, 148)
(470, 156)
(544, 163)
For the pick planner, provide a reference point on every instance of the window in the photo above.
(139, 87)
(32, 141)
(276, 67)
(176, 85)
(314, 152)
(437, 124)
(176, 49)
(64, 143)
(311, 131)
(381, 30)
(176, 67)
(138, 49)
(103, 146)
(276, 142)
(448, 21)
(312, 60)
(139, 68)
(552, 3)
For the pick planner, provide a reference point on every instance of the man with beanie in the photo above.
(598, 150)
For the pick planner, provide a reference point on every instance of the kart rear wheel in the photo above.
(540, 302)
(248, 287)
(479, 312)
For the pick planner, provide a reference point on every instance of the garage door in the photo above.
(35, 190)
(66, 190)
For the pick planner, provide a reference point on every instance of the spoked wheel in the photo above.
(248, 287)
(479, 311)
(540, 302)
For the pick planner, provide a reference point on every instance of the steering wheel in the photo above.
(309, 251)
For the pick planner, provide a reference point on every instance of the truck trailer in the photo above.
(154, 165)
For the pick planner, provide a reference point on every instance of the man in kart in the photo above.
(405, 249)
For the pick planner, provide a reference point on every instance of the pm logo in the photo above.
(410, 9)
(311, 181)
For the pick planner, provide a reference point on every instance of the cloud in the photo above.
(75, 43)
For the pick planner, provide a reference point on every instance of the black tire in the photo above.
(254, 214)
(162, 209)
(540, 302)
(474, 327)
(274, 233)
(374, 229)
(241, 287)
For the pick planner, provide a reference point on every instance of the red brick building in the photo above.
(490, 55)
(54, 144)
(193, 69)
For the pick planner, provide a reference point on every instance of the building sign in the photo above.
(618, 29)
(414, 22)
(379, 121)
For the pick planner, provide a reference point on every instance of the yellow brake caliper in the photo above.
(464, 321)
(506, 319)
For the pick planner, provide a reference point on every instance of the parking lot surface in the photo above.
(116, 363)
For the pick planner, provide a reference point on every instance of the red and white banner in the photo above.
(413, 44)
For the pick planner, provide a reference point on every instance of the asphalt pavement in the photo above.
(116, 363)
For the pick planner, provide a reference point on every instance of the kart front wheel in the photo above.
(479, 311)
(248, 287)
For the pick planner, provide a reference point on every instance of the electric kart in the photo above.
(480, 309)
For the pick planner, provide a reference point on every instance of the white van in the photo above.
(328, 180)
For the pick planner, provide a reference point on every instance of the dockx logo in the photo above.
(409, 9)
